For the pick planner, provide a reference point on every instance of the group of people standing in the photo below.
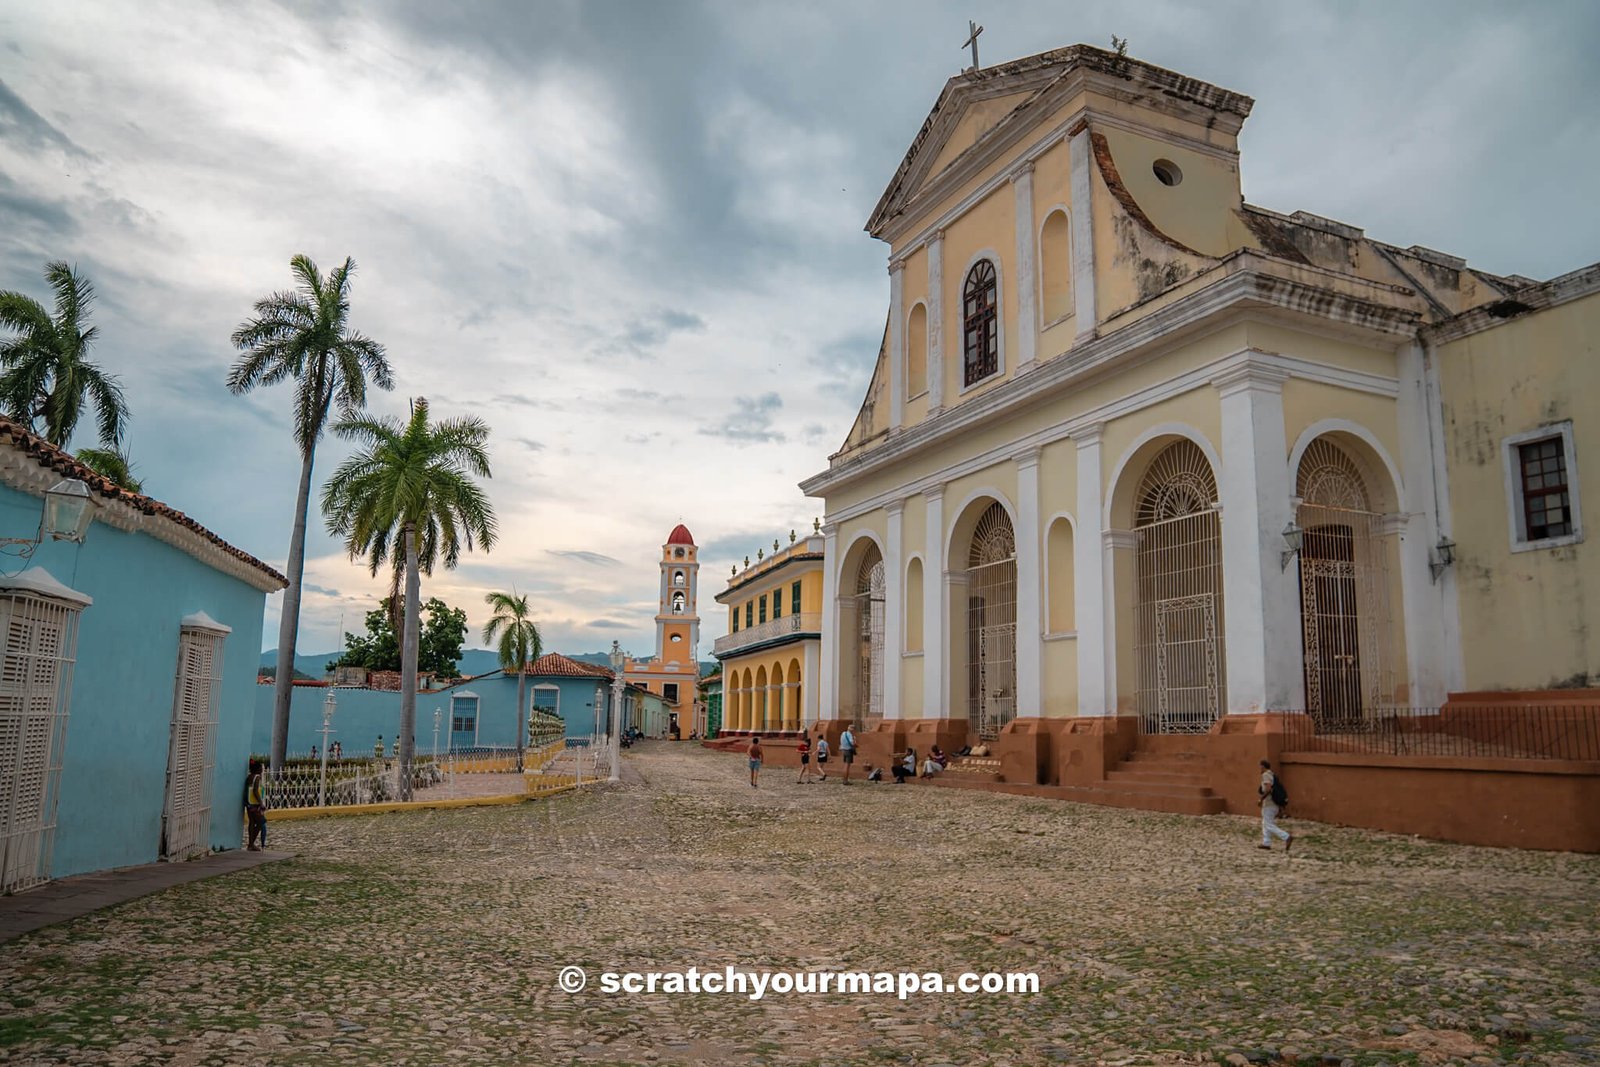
(823, 753)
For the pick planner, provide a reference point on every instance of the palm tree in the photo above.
(46, 373)
(305, 335)
(520, 644)
(113, 465)
(407, 498)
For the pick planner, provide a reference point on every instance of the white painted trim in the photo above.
(533, 692)
(1164, 429)
(1065, 635)
(897, 346)
(1511, 469)
(935, 681)
(961, 509)
(1038, 244)
(205, 624)
(1081, 223)
(1354, 429)
(894, 621)
(999, 319)
(40, 582)
(935, 323)
(1027, 268)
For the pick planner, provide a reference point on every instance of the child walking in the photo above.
(755, 762)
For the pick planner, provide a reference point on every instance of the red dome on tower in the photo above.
(680, 535)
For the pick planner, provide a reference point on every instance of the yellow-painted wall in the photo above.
(1528, 619)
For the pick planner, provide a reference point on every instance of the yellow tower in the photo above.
(677, 618)
(673, 674)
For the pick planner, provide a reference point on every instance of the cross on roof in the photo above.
(973, 29)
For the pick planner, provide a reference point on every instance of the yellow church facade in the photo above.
(1139, 456)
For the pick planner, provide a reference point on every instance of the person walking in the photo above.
(822, 757)
(255, 808)
(805, 759)
(847, 751)
(755, 762)
(377, 747)
(1274, 798)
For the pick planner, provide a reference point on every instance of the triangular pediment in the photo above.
(979, 115)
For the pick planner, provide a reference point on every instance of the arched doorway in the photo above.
(992, 624)
(1344, 587)
(870, 587)
(1178, 642)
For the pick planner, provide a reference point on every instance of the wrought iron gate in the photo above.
(992, 624)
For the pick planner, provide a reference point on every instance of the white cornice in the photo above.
(1553, 293)
(1088, 427)
(1143, 339)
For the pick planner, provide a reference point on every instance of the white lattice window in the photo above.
(1541, 474)
(39, 624)
(191, 754)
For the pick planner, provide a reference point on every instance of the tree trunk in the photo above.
(408, 662)
(522, 713)
(289, 622)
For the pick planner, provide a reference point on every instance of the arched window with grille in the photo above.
(1178, 575)
(1344, 586)
(992, 624)
(980, 307)
(871, 586)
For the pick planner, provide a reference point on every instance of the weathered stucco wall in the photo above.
(1528, 618)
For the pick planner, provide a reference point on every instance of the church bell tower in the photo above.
(678, 618)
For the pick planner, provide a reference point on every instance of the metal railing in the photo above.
(1496, 731)
(805, 622)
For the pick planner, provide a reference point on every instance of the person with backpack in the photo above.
(822, 757)
(1274, 798)
(847, 751)
(805, 759)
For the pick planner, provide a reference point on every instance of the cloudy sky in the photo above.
(628, 234)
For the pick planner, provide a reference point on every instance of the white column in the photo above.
(1027, 331)
(1089, 582)
(897, 345)
(832, 635)
(1432, 628)
(934, 642)
(810, 705)
(936, 323)
(1082, 219)
(1261, 620)
(894, 601)
(1030, 575)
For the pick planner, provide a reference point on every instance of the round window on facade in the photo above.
(676, 638)
(1167, 172)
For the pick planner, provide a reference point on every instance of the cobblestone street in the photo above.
(436, 937)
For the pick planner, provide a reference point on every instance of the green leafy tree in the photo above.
(47, 378)
(407, 498)
(518, 645)
(440, 643)
(304, 335)
(112, 464)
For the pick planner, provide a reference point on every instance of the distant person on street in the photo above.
(755, 762)
(847, 751)
(255, 807)
(822, 757)
(377, 748)
(805, 759)
(1274, 798)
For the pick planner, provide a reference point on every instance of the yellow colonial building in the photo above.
(1139, 456)
(772, 654)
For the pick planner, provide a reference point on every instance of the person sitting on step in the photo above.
(935, 762)
(906, 768)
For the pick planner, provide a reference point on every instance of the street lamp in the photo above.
(438, 713)
(328, 707)
(617, 659)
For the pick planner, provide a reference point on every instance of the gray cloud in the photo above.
(529, 443)
(21, 124)
(750, 421)
(595, 558)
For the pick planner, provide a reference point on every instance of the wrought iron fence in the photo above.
(1499, 731)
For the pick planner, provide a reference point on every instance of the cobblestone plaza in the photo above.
(435, 937)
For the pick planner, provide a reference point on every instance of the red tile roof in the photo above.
(680, 535)
(48, 455)
(555, 664)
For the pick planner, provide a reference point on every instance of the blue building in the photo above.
(478, 712)
(127, 687)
